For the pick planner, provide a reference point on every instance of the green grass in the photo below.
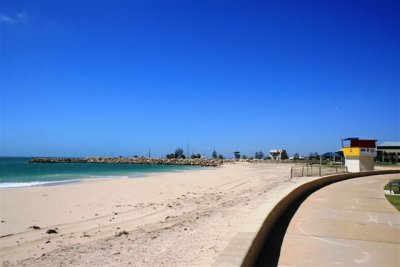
(395, 200)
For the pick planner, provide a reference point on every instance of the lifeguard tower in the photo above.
(359, 154)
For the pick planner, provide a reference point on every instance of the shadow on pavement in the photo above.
(271, 250)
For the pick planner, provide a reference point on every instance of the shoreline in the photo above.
(136, 175)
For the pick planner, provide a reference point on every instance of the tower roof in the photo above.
(359, 138)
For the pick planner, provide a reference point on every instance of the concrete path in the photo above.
(348, 223)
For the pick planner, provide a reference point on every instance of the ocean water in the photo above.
(17, 172)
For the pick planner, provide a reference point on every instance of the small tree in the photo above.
(179, 153)
(244, 157)
(259, 155)
(237, 154)
(195, 156)
(220, 157)
(170, 156)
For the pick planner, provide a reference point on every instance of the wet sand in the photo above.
(174, 219)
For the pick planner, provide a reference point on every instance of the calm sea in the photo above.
(17, 172)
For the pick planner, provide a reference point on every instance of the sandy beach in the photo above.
(174, 219)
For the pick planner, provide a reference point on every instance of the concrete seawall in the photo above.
(245, 247)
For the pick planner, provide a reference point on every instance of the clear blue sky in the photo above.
(109, 78)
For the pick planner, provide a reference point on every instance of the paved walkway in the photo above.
(348, 223)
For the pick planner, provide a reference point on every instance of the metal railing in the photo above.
(316, 170)
(394, 185)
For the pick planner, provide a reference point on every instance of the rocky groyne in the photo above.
(122, 160)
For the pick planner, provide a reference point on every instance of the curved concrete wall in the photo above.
(244, 248)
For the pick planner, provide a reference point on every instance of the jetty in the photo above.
(133, 160)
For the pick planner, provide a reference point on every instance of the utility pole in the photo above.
(187, 151)
(149, 152)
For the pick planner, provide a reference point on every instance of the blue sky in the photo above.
(112, 78)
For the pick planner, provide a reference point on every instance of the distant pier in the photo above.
(133, 160)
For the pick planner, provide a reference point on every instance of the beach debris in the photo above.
(6, 235)
(34, 227)
(167, 217)
(51, 231)
(47, 241)
(2, 221)
(121, 233)
(115, 213)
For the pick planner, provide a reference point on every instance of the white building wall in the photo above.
(366, 164)
(353, 165)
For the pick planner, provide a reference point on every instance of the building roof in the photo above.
(359, 138)
(393, 143)
(331, 154)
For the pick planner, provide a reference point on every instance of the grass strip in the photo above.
(394, 200)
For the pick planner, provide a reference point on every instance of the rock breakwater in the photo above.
(122, 160)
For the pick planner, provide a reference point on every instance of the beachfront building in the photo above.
(278, 154)
(388, 152)
(359, 154)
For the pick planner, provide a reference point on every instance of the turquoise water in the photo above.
(17, 172)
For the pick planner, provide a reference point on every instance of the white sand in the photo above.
(175, 219)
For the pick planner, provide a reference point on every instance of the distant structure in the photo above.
(359, 154)
(214, 154)
(388, 152)
(278, 154)
(296, 156)
(331, 155)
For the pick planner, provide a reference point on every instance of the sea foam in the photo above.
(35, 183)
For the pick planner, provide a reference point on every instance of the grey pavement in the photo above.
(348, 223)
